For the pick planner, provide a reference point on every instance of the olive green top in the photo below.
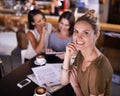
(97, 77)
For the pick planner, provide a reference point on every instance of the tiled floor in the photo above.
(17, 62)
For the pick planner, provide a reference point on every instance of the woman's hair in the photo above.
(70, 17)
(91, 18)
(31, 15)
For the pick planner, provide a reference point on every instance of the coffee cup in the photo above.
(40, 91)
(40, 60)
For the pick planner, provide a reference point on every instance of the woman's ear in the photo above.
(97, 35)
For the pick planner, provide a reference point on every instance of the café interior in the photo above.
(13, 26)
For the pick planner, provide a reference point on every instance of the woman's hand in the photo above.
(45, 27)
(49, 50)
(42, 28)
(73, 76)
(71, 49)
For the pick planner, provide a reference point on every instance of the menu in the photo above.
(47, 76)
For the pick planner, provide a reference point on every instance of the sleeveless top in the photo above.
(30, 52)
(58, 44)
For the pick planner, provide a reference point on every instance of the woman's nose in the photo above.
(63, 27)
(43, 21)
(79, 35)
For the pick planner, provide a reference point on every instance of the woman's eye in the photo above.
(39, 21)
(67, 25)
(75, 31)
(86, 33)
(61, 23)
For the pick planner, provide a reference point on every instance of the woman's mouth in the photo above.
(80, 43)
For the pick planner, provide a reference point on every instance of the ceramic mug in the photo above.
(40, 60)
(40, 91)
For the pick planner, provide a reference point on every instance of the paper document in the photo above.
(54, 53)
(47, 76)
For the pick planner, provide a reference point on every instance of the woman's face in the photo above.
(83, 35)
(64, 25)
(39, 20)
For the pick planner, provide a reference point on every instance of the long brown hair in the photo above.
(70, 17)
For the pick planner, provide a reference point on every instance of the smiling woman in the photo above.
(38, 33)
(63, 35)
(91, 72)
(64, 32)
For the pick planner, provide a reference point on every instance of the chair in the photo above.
(111, 49)
(2, 20)
(8, 43)
(23, 55)
(22, 38)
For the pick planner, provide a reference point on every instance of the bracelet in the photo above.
(65, 69)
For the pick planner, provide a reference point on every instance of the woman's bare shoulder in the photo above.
(30, 34)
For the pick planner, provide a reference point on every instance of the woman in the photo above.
(59, 39)
(91, 72)
(38, 33)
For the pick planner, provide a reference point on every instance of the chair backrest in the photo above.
(2, 20)
(8, 42)
(23, 55)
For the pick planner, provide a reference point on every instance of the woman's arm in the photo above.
(65, 70)
(37, 46)
(65, 74)
(40, 45)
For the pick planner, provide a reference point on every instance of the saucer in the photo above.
(48, 94)
(36, 63)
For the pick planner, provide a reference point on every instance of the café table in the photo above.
(8, 84)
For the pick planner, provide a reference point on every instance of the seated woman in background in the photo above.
(91, 72)
(59, 39)
(38, 33)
